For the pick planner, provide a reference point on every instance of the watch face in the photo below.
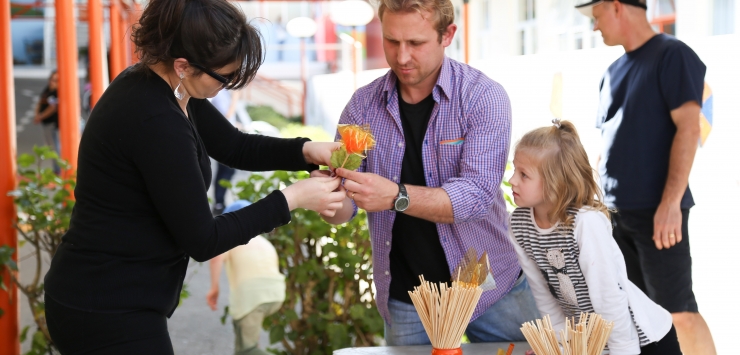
(402, 204)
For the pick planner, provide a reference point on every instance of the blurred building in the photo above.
(520, 27)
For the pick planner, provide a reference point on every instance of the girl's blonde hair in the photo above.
(569, 180)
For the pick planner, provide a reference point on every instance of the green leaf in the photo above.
(225, 315)
(184, 293)
(337, 157)
(24, 332)
(225, 183)
(26, 160)
(353, 162)
(39, 340)
(50, 154)
(337, 335)
(12, 265)
(290, 315)
(505, 183)
(277, 334)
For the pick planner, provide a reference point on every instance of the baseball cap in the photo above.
(587, 8)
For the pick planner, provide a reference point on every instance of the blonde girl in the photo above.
(563, 239)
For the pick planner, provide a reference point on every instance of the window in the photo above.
(485, 12)
(579, 40)
(663, 16)
(723, 21)
(527, 32)
(526, 10)
(522, 43)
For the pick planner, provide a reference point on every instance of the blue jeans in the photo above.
(500, 323)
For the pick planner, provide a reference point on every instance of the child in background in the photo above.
(563, 239)
(256, 287)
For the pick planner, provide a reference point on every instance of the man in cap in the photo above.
(648, 114)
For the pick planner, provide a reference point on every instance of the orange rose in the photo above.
(356, 139)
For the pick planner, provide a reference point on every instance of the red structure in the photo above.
(9, 321)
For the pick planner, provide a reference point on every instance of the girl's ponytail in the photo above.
(569, 180)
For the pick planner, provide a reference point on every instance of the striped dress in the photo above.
(556, 253)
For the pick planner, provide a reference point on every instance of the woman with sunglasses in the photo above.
(143, 171)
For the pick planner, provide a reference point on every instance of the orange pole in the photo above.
(466, 31)
(116, 40)
(125, 38)
(9, 321)
(303, 80)
(133, 18)
(69, 82)
(96, 49)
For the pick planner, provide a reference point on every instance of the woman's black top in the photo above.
(142, 209)
(47, 97)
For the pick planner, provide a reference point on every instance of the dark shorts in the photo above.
(664, 275)
(666, 346)
(79, 332)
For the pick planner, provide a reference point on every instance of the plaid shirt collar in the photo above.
(443, 85)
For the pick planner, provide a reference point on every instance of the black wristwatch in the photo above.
(402, 200)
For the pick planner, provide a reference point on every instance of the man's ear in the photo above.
(449, 35)
(618, 8)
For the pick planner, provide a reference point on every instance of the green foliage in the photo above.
(225, 315)
(269, 115)
(339, 159)
(44, 206)
(506, 187)
(328, 278)
(184, 293)
(316, 134)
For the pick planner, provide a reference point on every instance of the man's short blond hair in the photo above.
(443, 13)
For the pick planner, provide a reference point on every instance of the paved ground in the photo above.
(715, 240)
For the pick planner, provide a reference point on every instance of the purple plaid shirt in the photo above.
(465, 152)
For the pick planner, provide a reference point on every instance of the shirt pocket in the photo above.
(451, 156)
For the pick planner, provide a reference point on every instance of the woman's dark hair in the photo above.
(45, 92)
(212, 33)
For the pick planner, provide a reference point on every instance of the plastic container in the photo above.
(457, 351)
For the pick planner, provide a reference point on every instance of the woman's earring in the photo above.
(178, 95)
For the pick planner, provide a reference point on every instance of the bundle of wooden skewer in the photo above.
(586, 337)
(445, 311)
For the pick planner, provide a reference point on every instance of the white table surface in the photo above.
(468, 349)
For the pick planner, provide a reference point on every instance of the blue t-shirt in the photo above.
(638, 92)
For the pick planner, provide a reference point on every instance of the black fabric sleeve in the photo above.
(167, 157)
(681, 76)
(244, 151)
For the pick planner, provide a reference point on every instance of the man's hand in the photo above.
(668, 218)
(667, 225)
(319, 153)
(212, 298)
(371, 192)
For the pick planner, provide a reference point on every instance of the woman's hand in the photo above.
(319, 153)
(320, 194)
(212, 298)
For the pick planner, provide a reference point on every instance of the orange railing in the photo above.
(276, 90)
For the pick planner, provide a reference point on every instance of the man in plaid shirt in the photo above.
(431, 184)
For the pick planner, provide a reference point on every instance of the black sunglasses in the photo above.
(222, 79)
